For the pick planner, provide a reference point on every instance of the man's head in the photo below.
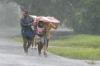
(25, 13)
(41, 24)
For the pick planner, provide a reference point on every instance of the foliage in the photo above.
(81, 15)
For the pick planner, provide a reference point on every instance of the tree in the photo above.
(81, 15)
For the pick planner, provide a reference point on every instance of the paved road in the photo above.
(11, 54)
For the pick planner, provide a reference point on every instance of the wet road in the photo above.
(12, 54)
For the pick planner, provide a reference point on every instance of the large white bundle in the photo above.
(45, 19)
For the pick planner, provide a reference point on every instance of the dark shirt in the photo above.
(26, 23)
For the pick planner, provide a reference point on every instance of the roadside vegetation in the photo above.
(80, 46)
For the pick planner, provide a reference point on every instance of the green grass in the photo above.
(80, 46)
(17, 38)
(81, 40)
(77, 53)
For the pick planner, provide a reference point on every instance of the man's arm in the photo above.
(23, 23)
(53, 25)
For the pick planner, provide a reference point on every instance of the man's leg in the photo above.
(29, 42)
(45, 47)
(33, 39)
(25, 44)
(32, 42)
(40, 46)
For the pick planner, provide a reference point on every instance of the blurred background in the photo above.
(81, 16)
(79, 27)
